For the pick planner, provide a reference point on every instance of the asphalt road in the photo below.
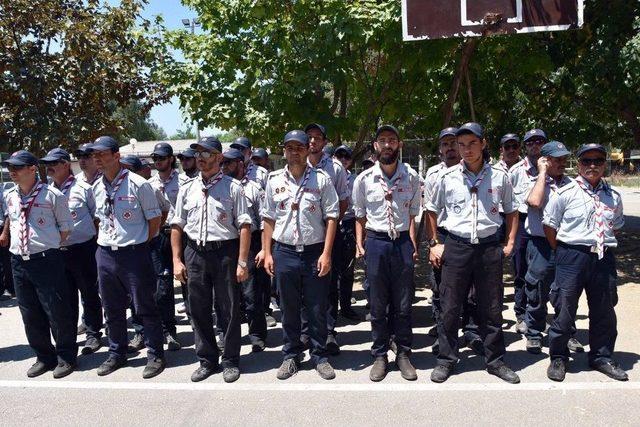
(471, 397)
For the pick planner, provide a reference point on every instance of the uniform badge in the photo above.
(277, 190)
(127, 215)
(389, 196)
(406, 205)
(490, 190)
(41, 221)
(312, 208)
(457, 209)
(294, 206)
(222, 217)
(282, 190)
(282, 205)
(494, 210)
(74, 215)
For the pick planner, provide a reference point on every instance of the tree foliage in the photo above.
(66, 67)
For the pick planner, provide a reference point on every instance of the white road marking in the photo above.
(168, 386)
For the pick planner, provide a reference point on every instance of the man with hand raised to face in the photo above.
(471, 195)
(386, 200)
(300, 214)
(580, 224)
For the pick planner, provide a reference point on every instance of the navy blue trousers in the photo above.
(253, 293)
(576, 270)
(123, 273)
(82, 275)
(44, 298)
(520, 267)
(299, 286)
(390, 276)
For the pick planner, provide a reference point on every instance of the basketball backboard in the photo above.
(434, 19)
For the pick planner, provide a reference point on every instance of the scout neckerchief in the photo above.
(388, 197)
(66, 185)
(295, 205)
(246, 178)
(204, 217)
(599, 212)
(473, 189)
(96, 177)
(26, 204)
(165, 182)
(111, 198)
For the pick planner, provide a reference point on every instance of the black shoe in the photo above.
(82, 329)
(154, 367)
(477, 346)
(534, 345)
(433, 332)
(349, 313)
(521, 327)
(204, 371)
(271, 321)
(91, 345)
(610, 369)
(441, 373)
(258, 346)
(505, 373)
(288, 369)
(407, 370)
(557, 370)
(332, 345)
(325, 370)
(5, 297)
(63, 369)
(231, 374)
(172, 342)
(39, 368)
(379, 369)
(575, 346)
(136, 343)
(112, 364)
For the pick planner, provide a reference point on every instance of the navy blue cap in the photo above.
(343, 149)
(21, 158)
(83, 149)
(367, 163)
(163, 149)
(105, 143)
(296, 135)
(233, 154)
(509, 137)
(210, 143)
(318, 126)
(447, 132)
(329, 150)
(534, 133)
(145, 163)
(241, 143)
(55, 155)
(591, 147)
(189, 153)
(554, 149)
(471, 127)
(133, 161)
(389, 128)
(261, 153)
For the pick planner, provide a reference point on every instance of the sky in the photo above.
(168, 116)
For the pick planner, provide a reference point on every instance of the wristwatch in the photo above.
(433, 242)
(242, 264)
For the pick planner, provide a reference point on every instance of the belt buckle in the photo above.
(474, 241)
(114, 248)
(593, 249)
(299, 248)
(25, 257)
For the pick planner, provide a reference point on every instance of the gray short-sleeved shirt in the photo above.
(169, 191)
(318, 203)
(572, 214)
(533, 223)
(255, 199)
(82, 177)
(83, 208)
(434, 174)
(49, 216)
(225, 211)
(369, 197)
(337, 173)
(454, 196)
(349, 214)
(521, 174)
(258, 174)
(134, 205)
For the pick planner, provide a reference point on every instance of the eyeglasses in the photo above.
(533, 142)
(511, 147)
(157, 158)
(598, 161)
(203, 154)
(15, 168)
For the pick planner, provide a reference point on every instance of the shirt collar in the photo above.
(400, 171)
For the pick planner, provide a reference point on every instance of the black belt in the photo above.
(481, 240)
(78, 245)
(36, 255)
(302, 248)
(210, 246)
(384, 235)
(582, 248)
(127, 248)
(165, 229)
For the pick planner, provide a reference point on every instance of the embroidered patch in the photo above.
(222, 217)
(494, 210)
(74, 215)
(41, 221)
(312, 208)
(127, 215)
(457, 209)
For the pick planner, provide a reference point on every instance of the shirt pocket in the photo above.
(41, 215)
(403, 198)
(75, 206)
(456, 201)
(222, 210)
(312, 203)
(281, 200)
(128, 211)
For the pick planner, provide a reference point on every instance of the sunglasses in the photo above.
(598, 161)
(14, 168)
(54, 163)
(511, 146)
(203, 154)
(83, 156)
(535, 142)
(157, 158)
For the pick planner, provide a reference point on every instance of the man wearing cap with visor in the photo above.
(580, 223)
(318, 159)
(253, 171)
(39, 221)
(386, 200)
(188, 164)
(471, 194)
(89, 171)
(260, 157)
(509, 152)
(79, 249)
(129, 217)
(212, 212)
(300, 213)
(521, 174)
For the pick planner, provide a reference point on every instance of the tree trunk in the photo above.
(467, 52)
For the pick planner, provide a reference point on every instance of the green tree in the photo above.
(66, 66)
(135, 122)
(186, 133)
